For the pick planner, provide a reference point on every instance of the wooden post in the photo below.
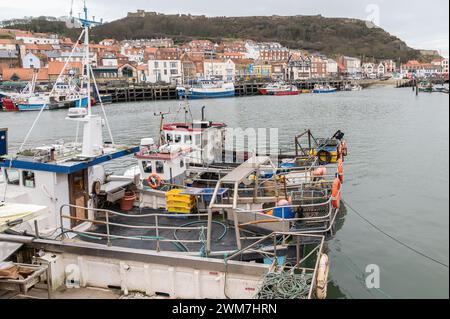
(417, 88)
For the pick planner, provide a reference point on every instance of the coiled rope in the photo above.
(285, 285)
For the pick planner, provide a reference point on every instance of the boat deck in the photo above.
(223, 235)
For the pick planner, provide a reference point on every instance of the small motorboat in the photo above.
(279, 89)
(352, 87)
(324, 88)
(425, 87)
(440, 88)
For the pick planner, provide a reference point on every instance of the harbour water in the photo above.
(396, 175)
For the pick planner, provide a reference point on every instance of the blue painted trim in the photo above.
(76, 167)
(31, 107)
(82, 102)
(201, 95)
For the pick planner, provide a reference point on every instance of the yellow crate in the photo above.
(180, 204)
(179, 210)
(174, 196)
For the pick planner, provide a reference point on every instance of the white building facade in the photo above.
(332, 67)
(167, 71)
(33, 39)
(224, 70)
(31, 61)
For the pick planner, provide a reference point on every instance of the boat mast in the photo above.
(86, 25)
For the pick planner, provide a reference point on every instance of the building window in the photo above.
(181, 163)
(12, 177)
(29, 179)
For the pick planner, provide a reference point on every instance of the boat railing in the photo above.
(267, 186)
(289, 245)
(157, 227)
(318, 213)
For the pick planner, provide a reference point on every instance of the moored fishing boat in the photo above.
(318, 88)
(425, 87)
(33, 102)
(207, 89)
(279, 89)
(261, 222)
(352, 87)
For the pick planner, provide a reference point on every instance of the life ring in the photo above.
(322, 277)
(341, 170)
(154, 181)
(336, 193)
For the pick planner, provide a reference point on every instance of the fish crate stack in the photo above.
(178, 203)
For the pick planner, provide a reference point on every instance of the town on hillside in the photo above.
(160, 61)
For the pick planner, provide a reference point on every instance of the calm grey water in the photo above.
(396, 173)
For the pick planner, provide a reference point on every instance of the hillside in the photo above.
(332, 36)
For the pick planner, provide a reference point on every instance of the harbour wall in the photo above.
(136, 93)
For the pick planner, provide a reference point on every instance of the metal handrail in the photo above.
(108, 224)
(317, 251)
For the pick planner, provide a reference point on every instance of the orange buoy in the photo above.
(320, 171)
(154, 181)
(341, 170)
(336, 193)
(344, 148)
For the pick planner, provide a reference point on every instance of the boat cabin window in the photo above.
(182, 163)
(12, 177)
(159, 167)
(187, 139)
(177, 138)
(147, 166)
(29, 180)
(197, 140)
(169, 138)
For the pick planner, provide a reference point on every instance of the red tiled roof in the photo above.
(7, 41)
(39, 47)
(24, 74)
(55, 67)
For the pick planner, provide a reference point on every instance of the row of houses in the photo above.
(161, 61)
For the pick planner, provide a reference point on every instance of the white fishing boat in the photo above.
(207, 89)
(352, 87)
(326, 88)
(195, 246)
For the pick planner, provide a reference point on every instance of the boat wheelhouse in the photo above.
(63, 173)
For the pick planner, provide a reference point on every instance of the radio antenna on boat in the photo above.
(162, 115)
(86, 24)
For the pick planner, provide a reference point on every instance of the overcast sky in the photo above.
(422, 24)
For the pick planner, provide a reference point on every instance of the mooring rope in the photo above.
(394, 238)
(285, 285)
